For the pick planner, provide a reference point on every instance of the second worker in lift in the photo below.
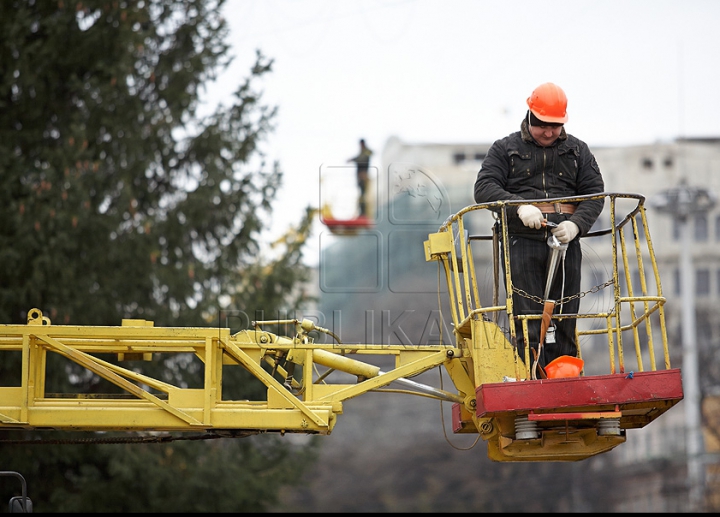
(543, 161)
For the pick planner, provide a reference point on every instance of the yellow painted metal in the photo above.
(143, 403)
(345, 364)
(438, 245)
(554, 446)
(495, 356)
(309, 399)
(620, 323)
(656, 275)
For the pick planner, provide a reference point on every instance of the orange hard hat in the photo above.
(564, 366)
(549, 103)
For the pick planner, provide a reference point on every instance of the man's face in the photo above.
(545, 135)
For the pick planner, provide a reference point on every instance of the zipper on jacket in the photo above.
(544, 186)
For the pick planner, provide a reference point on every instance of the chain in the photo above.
(566, 299)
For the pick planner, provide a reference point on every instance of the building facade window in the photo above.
(702, 282)
(700, 228)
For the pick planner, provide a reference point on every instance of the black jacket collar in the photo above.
(527, 137)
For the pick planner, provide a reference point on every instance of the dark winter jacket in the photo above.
(517, 168)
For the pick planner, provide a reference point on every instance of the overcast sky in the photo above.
(460, 71)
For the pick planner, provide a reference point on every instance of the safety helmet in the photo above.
(549, 103)
(564, 366)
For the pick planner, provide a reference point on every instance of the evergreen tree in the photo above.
(118, 200)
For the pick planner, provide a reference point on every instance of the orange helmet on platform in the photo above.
(549, 103)
(564, 366)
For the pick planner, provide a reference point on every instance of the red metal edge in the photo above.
(544, 394)
(358, 222)
(462, 420)
(457, 419)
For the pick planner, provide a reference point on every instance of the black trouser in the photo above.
(529, 263)
(362, 179)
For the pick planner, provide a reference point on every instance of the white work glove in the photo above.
(566, 231)
(531, 216)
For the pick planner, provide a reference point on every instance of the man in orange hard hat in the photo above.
(542, 161)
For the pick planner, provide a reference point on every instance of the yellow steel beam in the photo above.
(409, 369)
(91, 364)
(272, 384)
